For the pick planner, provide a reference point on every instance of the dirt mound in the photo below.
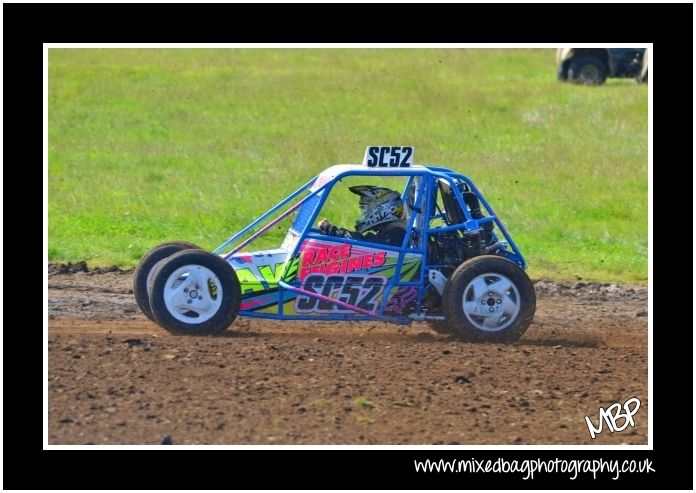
(81, 266)
(68, 268)
(595, 291)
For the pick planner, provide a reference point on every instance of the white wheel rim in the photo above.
(491, 302)
(193, 294)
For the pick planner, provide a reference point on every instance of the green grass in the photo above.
(152, 145)
(364, 403)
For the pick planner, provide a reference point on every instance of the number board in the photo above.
(388, 157)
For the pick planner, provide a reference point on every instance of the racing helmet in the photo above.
(377, 205)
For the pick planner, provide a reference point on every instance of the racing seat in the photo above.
(454, 213)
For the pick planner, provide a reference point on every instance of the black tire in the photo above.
(588, 70)
(225, 296)
(146, 267)
(519, 296)
(441, 327)
(562, 72)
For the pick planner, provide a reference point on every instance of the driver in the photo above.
(381, 217)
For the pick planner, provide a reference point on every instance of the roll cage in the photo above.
(425, 219)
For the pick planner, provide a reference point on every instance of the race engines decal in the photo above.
(351, 274)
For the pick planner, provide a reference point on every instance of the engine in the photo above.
(451, 248)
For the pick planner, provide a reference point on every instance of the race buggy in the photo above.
(457, 269)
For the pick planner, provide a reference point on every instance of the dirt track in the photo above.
(116, 378)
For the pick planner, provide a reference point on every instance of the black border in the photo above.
(27, 26)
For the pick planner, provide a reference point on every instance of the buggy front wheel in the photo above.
(143, 272)
(195, 292)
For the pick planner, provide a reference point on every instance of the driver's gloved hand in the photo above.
(324, 226)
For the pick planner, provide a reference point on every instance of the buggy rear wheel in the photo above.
(145, 269)
(195, 292)
(489, 299)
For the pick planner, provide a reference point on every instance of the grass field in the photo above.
(151, 145)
